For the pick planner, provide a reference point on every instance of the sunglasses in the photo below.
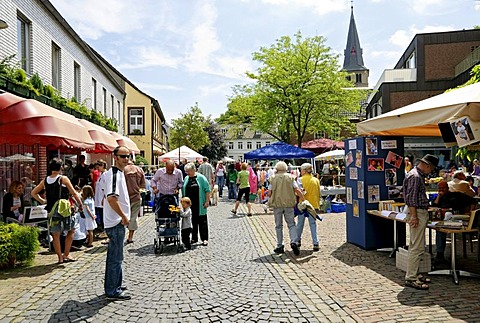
(123, 156)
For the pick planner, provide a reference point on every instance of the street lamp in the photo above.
(3, 24)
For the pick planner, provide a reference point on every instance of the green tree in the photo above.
(215, 149)
(189, 130)
(298, 88)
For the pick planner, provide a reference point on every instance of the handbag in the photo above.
(61, 208)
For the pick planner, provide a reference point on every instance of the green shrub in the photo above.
(36, 82)
(20, 76)
(18, 244)
(49, 91)
(140, 159)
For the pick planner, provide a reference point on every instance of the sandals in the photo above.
(69, 260)
(424, 279)
(417, 284)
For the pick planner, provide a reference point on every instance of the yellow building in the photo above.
(144, 121)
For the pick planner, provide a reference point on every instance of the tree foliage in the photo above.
(298, 88)
(215, 149)
(189, 130)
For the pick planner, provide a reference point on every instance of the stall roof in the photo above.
(279, 150)
(422, 118)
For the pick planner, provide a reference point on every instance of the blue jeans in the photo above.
(232, 190)
(221, 184)
(313, 228)
(441, 241)
(113, 269)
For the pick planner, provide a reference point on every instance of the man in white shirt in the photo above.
(116, 212)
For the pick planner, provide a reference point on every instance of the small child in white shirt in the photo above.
(186, 215)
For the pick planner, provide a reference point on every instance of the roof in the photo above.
(353, 53)
(322, 143)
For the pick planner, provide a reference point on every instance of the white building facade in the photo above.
(44, 43)
(243, 140)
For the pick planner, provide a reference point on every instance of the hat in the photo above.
(430, 160)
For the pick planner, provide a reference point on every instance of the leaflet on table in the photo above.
(393, 215)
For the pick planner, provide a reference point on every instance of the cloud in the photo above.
(403, 38)
(155, 86)
(320, 8)
(93, 18)
(214, 90)
(150, 56)
(477, 5)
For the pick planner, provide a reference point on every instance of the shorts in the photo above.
(63, 224)
(246, 191)
(134, 212)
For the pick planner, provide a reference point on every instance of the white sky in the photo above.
(186, 51)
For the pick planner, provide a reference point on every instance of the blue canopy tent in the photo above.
(279, 150)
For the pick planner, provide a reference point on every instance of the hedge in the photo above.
(18, 244)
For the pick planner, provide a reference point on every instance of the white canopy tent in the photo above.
(228, 159)
(332, 154)
(181, 153)
(423, 118)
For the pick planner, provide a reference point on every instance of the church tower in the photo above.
(353, 62)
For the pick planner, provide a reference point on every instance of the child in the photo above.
(186, 215)
(89, 213)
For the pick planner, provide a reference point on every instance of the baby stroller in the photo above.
(167, 219)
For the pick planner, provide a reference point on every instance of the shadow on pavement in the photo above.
(271, 259)
(169, 250)
(460, 301)
(75, 311)
(33, 271)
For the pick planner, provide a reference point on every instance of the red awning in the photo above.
(125, 141)
(30, 122)
(104, 141)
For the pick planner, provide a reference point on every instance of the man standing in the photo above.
(282, 190)
(182, 167)
(135, 178)
(81, 172)
(116, 216)
(167, 180)
(415, 195)
(207, 170)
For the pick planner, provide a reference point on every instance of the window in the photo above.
(104, 99)
(56, 66)
(112, 103)
(240, 145)
(23, 43)
(259, 144)
(119, 116)
(230, 145)
(76, 81)
(94, 94)
(410, 63)
(136, 120)
(249, 145)
(358, 78)
(267, 143)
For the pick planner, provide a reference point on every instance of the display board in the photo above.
(374, 172)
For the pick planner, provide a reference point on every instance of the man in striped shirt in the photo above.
(415, 195)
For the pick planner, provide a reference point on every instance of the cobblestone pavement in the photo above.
(236, 278)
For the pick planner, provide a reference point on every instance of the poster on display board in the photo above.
(371, 145)
(394, 159)
(373, 193)
(360, 193)
(353, 173)
(349, 195)
(358, 159)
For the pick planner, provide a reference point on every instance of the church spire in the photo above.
(353, 52)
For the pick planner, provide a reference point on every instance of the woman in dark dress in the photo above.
(197, 188)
